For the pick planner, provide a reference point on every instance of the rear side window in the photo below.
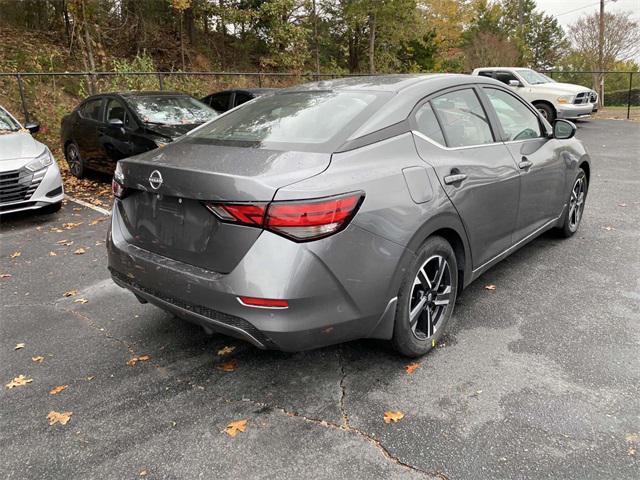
(307, 120)
(462, 118)
(428, 125)
(92, 110)
(242, 97)
(485, 74)
(517, 121)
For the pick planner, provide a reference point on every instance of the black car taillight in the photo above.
(117, 183)
(299, 220)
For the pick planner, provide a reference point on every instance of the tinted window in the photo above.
(505, 77)
(92, 110)
(171, 110)
(296, 120)
(485, 74)
(220, 102)
(517, 121)
(242, 97)
(427, 124)
(462, 118)
(116, 110)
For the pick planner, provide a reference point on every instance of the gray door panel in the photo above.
(486, 200)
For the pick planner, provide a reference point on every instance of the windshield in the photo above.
(7, 123)
(292, 120)
(533, 78)
(171, 110)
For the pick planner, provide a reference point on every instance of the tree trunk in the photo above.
(89, 50)
(372, 43)
(182, 40)
(315, 37)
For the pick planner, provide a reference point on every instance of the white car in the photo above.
(29, 175)
(552, 99)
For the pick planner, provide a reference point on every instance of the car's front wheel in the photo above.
(546, 111)
(426, 298)
(576, 203)
(74, 160)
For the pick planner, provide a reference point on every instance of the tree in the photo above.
(621, 40)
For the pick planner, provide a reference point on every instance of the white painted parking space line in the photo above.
(103, 211)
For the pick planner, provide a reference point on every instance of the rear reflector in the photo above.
(300, 221)
(117, 189)
(263, 302)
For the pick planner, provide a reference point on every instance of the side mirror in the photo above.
(514, 83)
(33, 127)
(563, 129)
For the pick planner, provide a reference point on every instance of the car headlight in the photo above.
(42, 161)
(565, 99)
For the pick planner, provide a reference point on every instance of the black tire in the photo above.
(53, 208)
(74, 160)
(547, 111)
(577, 198)
(416, 341)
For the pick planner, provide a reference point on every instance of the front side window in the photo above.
(92, 110)
(220, 102)
(7, 123)
(506, 77)
(428, 125)
(304, 120)
(116, 110)
(517, 121)
(171, 110)
(242, 97)
(462, 118)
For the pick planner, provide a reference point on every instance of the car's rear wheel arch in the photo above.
(454, 239)
(585, 166)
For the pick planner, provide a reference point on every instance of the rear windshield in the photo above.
(171, 110)
(307, 121)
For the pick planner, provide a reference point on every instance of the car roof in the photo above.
(139, 93)
(257, 91)
(404, 91)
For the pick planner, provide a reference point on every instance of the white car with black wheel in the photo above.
(29, 175)
(552, 99)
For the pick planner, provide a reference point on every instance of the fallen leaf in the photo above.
(225, 351)
(38, 359)
(56, 230)
(66, 243)
(19, 346)
(490, 287)
(58, 389)
(234, 427)
(229, 366)
(70, 293)
(81, 300)
(5, 275)
(77, 209)
(142, 358)
(143, 473)
(71, 225)
(608, 228)
(59, 417)
(97, 220)
(16, 254)
(411, 367)
(19, 381)
(53, 254)
(80, 251)
(90, 377)
(391, 416)
(622, 205)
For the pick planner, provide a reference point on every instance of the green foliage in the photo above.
(140, 63)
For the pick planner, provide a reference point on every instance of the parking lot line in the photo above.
(103, 211)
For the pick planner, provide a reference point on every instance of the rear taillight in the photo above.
(117, 189)
(300, 221)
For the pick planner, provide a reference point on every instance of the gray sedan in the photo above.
(343, 209)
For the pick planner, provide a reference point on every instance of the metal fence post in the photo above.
(259, 81)
(161, 81)
(629, 96)
(25, 111)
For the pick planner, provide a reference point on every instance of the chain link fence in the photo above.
(48, 96)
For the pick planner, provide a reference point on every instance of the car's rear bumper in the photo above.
(574, 111)
(325, 305)
(48, 192)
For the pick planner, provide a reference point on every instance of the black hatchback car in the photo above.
(223, 101)
(108, 127)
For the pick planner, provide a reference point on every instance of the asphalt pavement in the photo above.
(539, 378)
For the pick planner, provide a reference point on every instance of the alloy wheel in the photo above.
(430, 297)
(73, 159)
(576, 203)
(544, 113)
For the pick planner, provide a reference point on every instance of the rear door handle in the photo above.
(525, 163)
(455, 178)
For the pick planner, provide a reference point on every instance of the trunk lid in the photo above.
(171, 219)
